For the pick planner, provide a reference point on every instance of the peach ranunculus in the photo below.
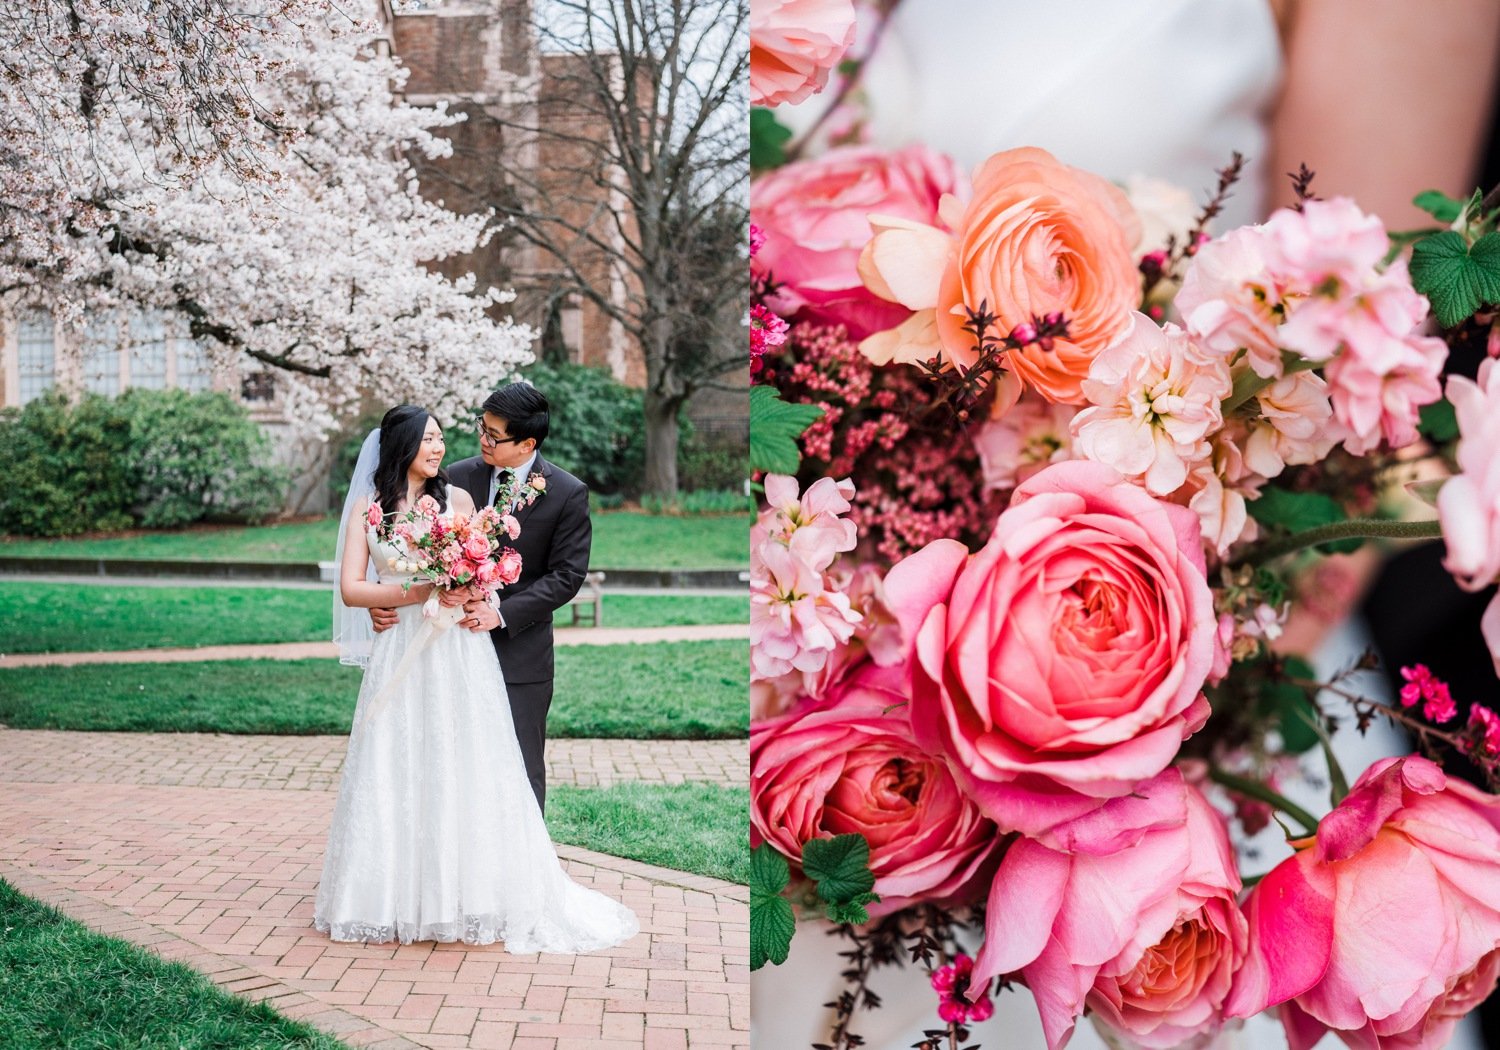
(851, 766)
(815, 217)
(1385, 927)
(794, 45)
(1037, 237)
(1066, 664)
(1132, 916)
(1469, 502)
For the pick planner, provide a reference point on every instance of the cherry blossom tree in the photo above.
(246, 167)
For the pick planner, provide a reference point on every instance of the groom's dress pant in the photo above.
(529, 702)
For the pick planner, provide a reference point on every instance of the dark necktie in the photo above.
(502, 484)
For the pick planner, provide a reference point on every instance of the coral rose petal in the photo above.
(1290, 913)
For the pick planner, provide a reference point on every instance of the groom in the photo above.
(552, 507)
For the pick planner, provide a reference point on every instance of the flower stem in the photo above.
(1255, 789)
(1354, 528)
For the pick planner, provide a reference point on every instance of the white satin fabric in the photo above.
(436, 835)
(1163, 88)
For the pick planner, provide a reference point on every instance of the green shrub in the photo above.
(712, 462)
(596, 431)
(147, 458)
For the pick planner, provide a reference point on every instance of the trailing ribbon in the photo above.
(436, 618)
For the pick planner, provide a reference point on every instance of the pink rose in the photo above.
(373, 517)
(1132, 916)
(1385, 927)
(851, 767)
(538, 483)
(488, 574)
(815, 216)
(510, 566)
(1066, 666)
(793, 46)
(477, 548)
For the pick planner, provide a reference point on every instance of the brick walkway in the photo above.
(309, 650)
(207, 849)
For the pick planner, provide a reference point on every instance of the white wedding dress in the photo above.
(436, 835)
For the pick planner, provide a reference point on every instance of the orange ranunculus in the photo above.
(1037, 237)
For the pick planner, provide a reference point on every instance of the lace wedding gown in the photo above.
(436, 835)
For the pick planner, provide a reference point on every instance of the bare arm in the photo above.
(359, 592)
(1386, 98)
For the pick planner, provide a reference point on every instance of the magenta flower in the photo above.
(951, 982)
(1421, 685)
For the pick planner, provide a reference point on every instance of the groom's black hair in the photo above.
(401, 432)
(524, 409)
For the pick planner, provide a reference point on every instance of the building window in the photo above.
(194, 370)
(36, 355)
(258, 387)
(101, 356)
(148, 358)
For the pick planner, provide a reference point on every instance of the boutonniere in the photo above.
(520, 494)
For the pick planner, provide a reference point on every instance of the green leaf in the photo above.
(840, 866)
(1458, 278)
(1294, 712)
(768, 140)
(775, 427)
(771, 927)
(1439, 205)
(1439, 422)
(771, 920)
(853, 912)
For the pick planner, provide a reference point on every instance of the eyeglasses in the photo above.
(488, 435)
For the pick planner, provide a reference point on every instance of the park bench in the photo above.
(591, 593)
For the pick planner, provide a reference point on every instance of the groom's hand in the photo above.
(480, 616)
(384, 619)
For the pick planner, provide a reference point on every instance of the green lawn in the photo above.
(665, 690)
(622, 540)
(63, 617)
(63, 985)
(688, 827)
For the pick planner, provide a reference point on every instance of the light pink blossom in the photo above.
(1155, 398)
(1294, 425)
(1385, 928)
(795, 620)
(1469, 502)
(794, 45)
(1022, 441)
(810, 524)
(1232, 298)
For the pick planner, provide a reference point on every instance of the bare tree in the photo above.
(636, 190)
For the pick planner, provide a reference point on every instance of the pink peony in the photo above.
(373, 517)
(427, 507)
(510, 566)
(794, 44)
(1154, 402)
(851, 766)
(477, 548)
(511, 526)
(1132, 915)
(1066, 664)
(815, 217)
(1038, 237)
(1385, 927)
(1469, 502)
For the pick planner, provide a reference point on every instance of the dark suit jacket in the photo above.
(554, 547)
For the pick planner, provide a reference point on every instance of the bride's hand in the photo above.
(456, 596)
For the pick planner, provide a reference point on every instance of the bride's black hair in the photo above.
(401, 431)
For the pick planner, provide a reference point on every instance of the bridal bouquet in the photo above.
(1043, 478)
(452, 550)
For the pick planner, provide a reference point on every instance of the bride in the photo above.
(436, 835)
